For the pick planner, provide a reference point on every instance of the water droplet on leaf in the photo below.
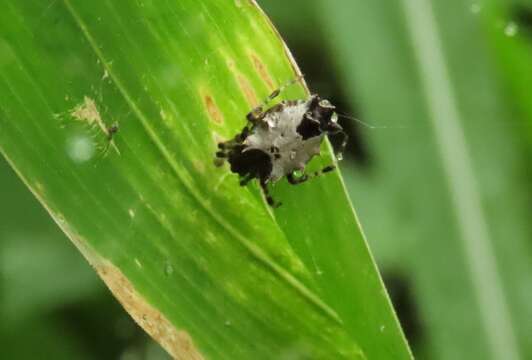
(80, 148)
(511, 29)
(475, 8)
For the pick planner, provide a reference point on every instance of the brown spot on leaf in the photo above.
(263, 72)
(214, 113)
(243, 83)
(177, 343)
(248, 91)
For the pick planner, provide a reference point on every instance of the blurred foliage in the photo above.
(456, 298)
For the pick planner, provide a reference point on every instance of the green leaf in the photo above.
(510, 35)
(444, 200)
(203, 265)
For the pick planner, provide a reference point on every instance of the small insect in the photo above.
(281, 140)
(110, 133)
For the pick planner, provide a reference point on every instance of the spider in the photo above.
(281, 140)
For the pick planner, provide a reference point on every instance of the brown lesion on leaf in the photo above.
(212, 109)
(262, 71)
(243, 83)
(177, 343)
(247, 90)
(88, 111)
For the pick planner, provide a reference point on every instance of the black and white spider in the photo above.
(281, 140)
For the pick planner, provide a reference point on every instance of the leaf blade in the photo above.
(143, 209)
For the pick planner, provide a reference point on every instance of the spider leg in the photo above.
(266, 192)
(293, 180)
(109, 136)
(283, 87)
(239, 138)
(326, 169)
(224, 149)
(244, 181)
(257, 113)
(339, 153)
(337, 130)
